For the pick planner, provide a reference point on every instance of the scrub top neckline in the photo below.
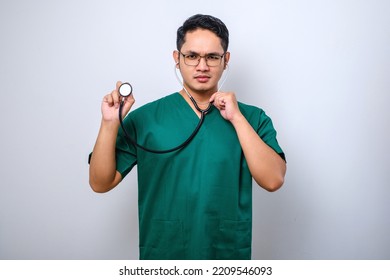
(189, 108)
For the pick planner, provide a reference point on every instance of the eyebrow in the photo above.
(212, 53)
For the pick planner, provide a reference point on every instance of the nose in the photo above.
(202, 65)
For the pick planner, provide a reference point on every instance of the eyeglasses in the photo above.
(193, 59)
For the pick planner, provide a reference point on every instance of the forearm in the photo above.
(266, 166)
(102, 171)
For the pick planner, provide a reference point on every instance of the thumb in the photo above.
(118, 84)
(212, 98)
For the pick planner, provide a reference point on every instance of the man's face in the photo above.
(201, 78)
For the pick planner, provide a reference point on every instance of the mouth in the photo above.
(202, 78)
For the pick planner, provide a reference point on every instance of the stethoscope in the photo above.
(126, 89)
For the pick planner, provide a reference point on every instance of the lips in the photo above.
(202, 78)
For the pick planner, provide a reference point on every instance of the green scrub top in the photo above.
(195, 203)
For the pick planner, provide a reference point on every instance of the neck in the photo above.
(201, 97)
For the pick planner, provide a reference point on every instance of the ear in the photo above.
(227, 58)
(176, 58)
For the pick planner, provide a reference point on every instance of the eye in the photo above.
(213, 57)
(192, 56)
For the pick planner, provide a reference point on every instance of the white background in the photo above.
(320, 69)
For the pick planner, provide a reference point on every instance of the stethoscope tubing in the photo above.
(203, 113)
(185, 143)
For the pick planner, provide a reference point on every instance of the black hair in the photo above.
(207, 22)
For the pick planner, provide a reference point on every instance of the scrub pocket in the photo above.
(234, 240)
(164, 241)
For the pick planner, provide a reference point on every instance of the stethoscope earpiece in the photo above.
(125, 89)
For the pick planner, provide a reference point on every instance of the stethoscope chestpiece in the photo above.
(125, 89)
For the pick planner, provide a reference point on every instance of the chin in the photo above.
(206, 89)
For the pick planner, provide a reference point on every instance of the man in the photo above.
(194, 203)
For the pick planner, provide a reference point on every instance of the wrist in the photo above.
(110, 124)
(238, 119)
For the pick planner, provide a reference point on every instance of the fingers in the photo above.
(220, 99)
(118, 84)
(109, 99)
(129, 101)
(113, 99)
(212, 98)
(111, 104)
(216, 99)
(227, 104)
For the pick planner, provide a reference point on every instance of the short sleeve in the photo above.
(267, 133)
